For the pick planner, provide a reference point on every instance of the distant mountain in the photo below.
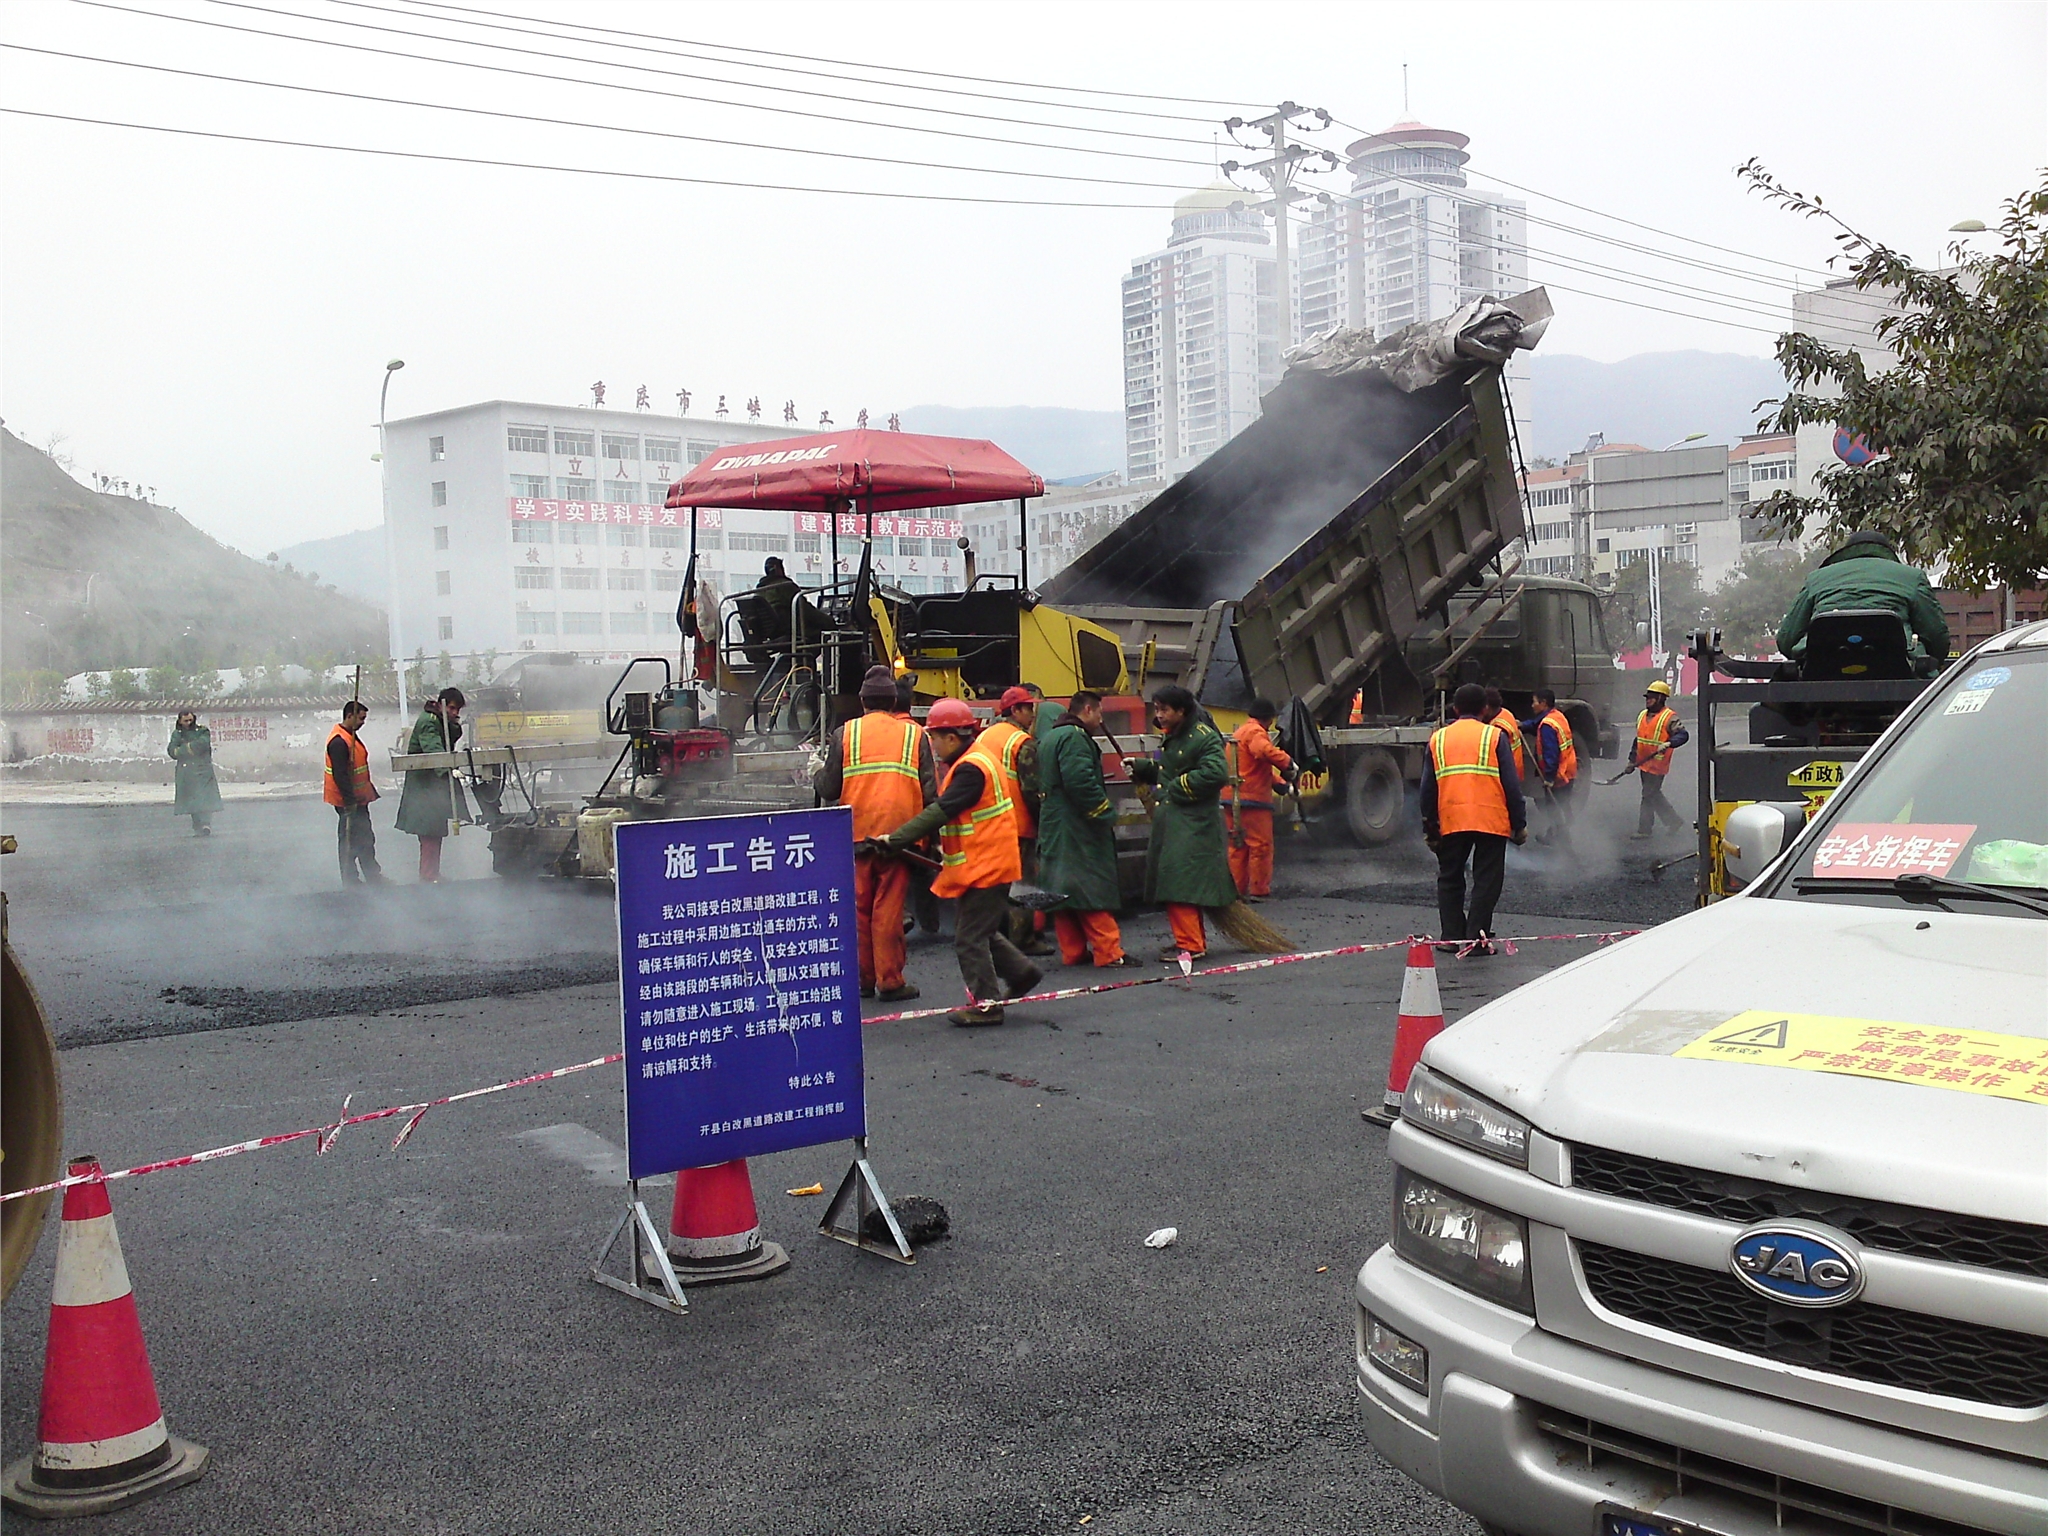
(1652, 398)
(94, 581)
(353, 562)
(1053, 440)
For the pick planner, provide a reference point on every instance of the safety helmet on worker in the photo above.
(1659, 687)
(952, 715)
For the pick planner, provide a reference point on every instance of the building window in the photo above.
(577, 490)
(914, 547)
(623, 538)
(577, 533)
(700, 451)
(582, 623)
(809, 543)
(622, 490)
(770, 543)
(526, 439)
(437, 449)
(438, 491)
(625, 581)
(1602, 547)
(536, 623)
(576, 445)
(533, 533)
(441, 584)
(670, 538)
(441, 535)
(629, 623)
(531, 487)
(535, 578)
(668, 581)
(664, 450)
(584, 580)
(447, 627)
(621, 448)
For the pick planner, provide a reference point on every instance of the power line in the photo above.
(581, 170)
(932, 74)
(677, 74)
(559, 122)
(620, 85)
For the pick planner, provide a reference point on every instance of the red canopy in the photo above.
(869, 471)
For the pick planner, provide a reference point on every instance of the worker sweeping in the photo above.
(1557, 760)
(978, 843)
(1472, 808)
(1498, 712)
(1009, 737)
(1077, 836)
(881, 766)
(1658, 735)
(1187, 860)
(347, 787)
(1258, 760)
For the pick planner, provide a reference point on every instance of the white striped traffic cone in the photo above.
(714, 1229)
(102, 1438)
(1421, 1021)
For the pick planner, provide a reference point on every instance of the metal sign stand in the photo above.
(862, 1191)
(635, 1216)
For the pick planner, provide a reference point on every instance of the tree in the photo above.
(1627, 603)
(1752, 599)
(122, 684)
(1960, 426)
(165, 682)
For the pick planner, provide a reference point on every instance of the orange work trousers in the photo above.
(1186, 923)
(1251, 848)
(1084, 934)
(880, 887)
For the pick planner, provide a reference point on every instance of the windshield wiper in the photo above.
(1917, 888)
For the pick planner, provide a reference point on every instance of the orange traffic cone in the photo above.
(1421, 1021)
(103, 1441)
(714, 1231)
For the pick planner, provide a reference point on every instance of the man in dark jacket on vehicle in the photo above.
(1866, 573)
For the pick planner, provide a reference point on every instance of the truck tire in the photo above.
(1375, 796)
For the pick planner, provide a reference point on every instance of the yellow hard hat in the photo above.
(1660, 686)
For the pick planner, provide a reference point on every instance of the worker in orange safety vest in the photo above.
(1010, 738)
(1472, 808)
(977, 830)
(881, 766)
(1255, 759)
(1556, 760)
(346, 786)
(1658, 734)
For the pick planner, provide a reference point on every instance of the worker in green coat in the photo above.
(427, 804)
(1077, 835)
(1867, 573)
(1187, 862)
(198, 792)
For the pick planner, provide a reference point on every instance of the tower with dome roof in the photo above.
(1201, 334)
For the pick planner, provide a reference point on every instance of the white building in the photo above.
(519, 526)
(1070, 517)
(1201, 335)
(1411, 242)
(1841, 316)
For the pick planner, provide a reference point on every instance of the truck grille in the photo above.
(1861, 1341)
(1981, 1242)
(1805, 1509)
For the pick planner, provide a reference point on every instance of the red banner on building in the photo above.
(533, 509)
(886, 526)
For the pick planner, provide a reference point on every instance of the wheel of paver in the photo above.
(1375, 796)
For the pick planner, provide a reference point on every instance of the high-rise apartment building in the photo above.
(1201, 335)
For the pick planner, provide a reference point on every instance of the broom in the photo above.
(1244, 927)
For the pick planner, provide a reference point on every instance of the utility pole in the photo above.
(1278, 170)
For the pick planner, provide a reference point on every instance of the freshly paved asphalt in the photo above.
(409, 1339)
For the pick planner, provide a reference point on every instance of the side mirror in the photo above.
(1755, 834)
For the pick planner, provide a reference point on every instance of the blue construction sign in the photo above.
(740, 978)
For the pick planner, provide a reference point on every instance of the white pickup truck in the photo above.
(1741, 1226)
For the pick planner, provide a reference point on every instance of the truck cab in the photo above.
(1741, 1225)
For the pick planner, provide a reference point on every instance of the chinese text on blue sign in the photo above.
(741, 987)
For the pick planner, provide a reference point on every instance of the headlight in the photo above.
(1397, 1354)
(1473, 1246)
(1457, 1114)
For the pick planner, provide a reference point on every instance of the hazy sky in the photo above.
(213, 317)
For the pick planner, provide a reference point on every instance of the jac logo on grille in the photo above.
(1798, 1263)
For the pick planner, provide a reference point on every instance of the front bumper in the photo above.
(1493, 1374)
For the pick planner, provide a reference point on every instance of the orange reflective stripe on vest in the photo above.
(980, 849)
(1567, 754)
(362, 790)
(1653, 740)
(1507, 722)
(1469, 796)
(1006, 741)
(879, 773)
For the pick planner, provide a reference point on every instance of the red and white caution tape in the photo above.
(326, 1135)
(1186, 973)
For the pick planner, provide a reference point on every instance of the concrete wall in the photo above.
(250, 741)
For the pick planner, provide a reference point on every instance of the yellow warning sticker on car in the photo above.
(1962, 1060)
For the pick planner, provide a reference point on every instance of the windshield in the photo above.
(1961, 795)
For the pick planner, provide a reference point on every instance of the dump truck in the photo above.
(1352, 549)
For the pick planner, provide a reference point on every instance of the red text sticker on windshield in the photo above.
(1884, 850)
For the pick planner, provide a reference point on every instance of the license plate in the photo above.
(1612, 1524)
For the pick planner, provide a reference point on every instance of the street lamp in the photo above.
(391, 541)
(1967, 227)
(1690, 437)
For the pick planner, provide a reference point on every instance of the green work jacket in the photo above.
(1076, 821)
(1187, 860)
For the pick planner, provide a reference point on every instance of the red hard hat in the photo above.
(951, 715)
(1012, 697)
